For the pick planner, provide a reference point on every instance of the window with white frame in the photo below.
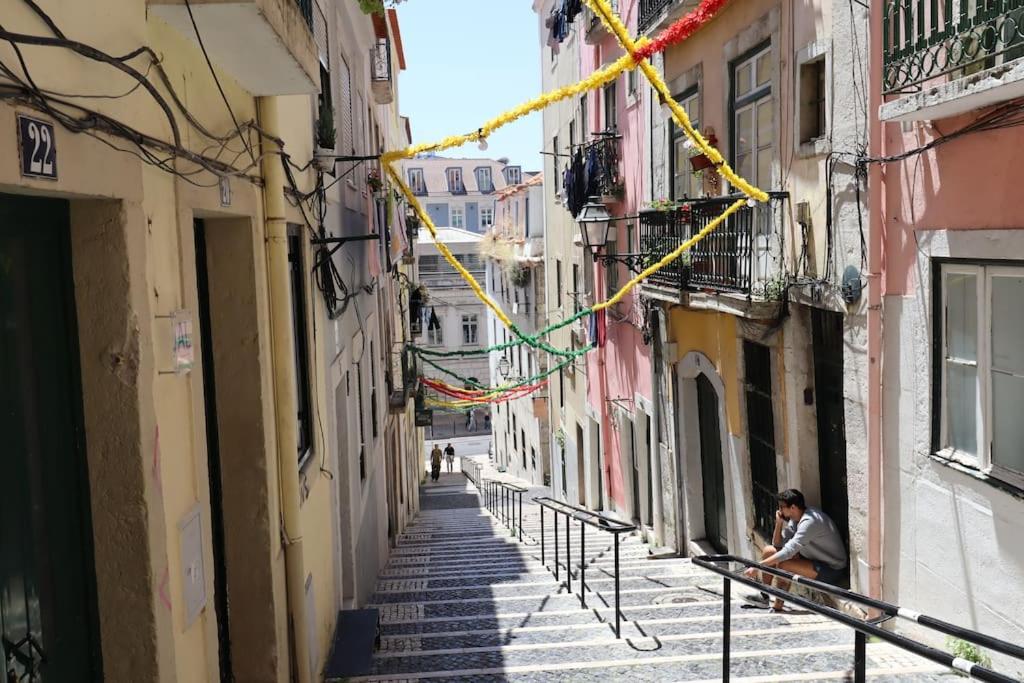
(684, 182)
(435, 335)
(486, 217)
(469, 330)
(611, 112)
(982, 367)
(484, 183)
(416, 182)
(455, 185)
(458, 217)
(513, 175)
(753, 125)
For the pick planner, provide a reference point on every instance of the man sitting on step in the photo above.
(810, 546)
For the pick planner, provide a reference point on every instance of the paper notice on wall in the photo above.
(183, 354)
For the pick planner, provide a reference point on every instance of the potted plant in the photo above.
(326, 139)
(699, 161)
(373, 180)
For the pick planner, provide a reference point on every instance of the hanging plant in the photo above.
(373, 180)
(519, 276)
(560, 437)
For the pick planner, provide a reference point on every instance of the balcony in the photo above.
(265, 45)
(594, 30)
(951, 57)
(380, 72)
(657, 14)
(742, 257)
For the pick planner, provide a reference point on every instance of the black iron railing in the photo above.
(925, 40)
(586, 518)
(650, 11)
(500, 499)
(380, 61)
(736, 257)
(602, 155)
(306, 7)
(720, 564)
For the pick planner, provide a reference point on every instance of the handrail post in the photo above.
(860, 657)
(520, 516)
(568, 556)
(583, 565)
(555, 515)
(618, 610)
(726, 626)
(542, 536)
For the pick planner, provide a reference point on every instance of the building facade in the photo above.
(453, 319)
(180, 348)
(460, 193)
(514, 253)
(946, 249)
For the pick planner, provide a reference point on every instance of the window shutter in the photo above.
(344, 107)
(320, 35)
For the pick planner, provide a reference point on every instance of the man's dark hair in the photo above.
(792, 497)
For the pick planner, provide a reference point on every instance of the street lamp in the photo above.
(595, 225)
(504, 367)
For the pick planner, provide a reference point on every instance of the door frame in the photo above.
(690, 505)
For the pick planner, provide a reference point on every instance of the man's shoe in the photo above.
(760, 598)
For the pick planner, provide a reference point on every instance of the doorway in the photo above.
(712, 474)
(214, 464)
(581, 468)
(827, 338)
(48, 618)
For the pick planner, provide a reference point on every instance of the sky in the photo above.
(466, 62)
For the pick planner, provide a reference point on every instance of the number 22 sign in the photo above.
(38, 148)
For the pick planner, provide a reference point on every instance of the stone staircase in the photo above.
(461, 600)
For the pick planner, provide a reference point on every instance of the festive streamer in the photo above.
(681, 29)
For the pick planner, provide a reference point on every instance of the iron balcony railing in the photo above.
(380, 61)
(602, 154)
(926, 40)
(306, 7)
(741, 255)
(650, 11)
(721, 564)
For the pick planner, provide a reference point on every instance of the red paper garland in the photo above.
(681, 29)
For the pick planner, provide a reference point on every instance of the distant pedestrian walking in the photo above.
(435, 462)
(449, 455)
(471, 420)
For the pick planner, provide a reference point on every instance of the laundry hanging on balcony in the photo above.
(559, 21)
(574, 183)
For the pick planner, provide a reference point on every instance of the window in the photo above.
(684, 183)
(515, 434)
(631, 83)
(611, 273)
(611, 114)
(435, 335)
(522, 440)
(362, 423)
(982, 368)
(484, 182)
(455, 185)
(753, 129)
(469, 329)
(572, 136)
(556, 183)
(458, 217)
(558, 282)
(486, 217)
(513, 175)
(416, 182)
(344, 110)
(324, 101)
(533, 458)
(564, 477)
(296, 274)
(812, 100)
(575, 288)
(584, 127)
(561, 389)
(761, 434)
(373, 392)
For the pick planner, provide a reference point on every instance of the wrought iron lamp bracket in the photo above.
(634, 262)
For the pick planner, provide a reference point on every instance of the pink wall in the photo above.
(968, 183)
(623, 366)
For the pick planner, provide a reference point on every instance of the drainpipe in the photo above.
(282, 347)
(876, 226)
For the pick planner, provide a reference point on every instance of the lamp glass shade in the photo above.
(503, 367)
(594, 220)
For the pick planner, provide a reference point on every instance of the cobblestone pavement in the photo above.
(463, 600)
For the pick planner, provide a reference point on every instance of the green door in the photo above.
(47, 620)
(713, 476)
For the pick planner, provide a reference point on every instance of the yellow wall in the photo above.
(715, 335)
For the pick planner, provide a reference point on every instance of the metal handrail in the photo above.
(862, 628)
(500, 500)
(586, 518)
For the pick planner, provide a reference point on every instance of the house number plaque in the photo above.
(38, 148)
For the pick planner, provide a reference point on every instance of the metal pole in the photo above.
(520, 516)
(860, 657)
(726, 626)
(555, 513)
(583, 565)
(568, 554)
(542, 536)
(618, 611)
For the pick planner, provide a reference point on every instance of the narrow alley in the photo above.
(463, 600)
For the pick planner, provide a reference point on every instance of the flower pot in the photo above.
(700, 162)
(323, 159)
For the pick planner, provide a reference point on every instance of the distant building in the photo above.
(514, 254)
(453, 320)
(460, 193)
